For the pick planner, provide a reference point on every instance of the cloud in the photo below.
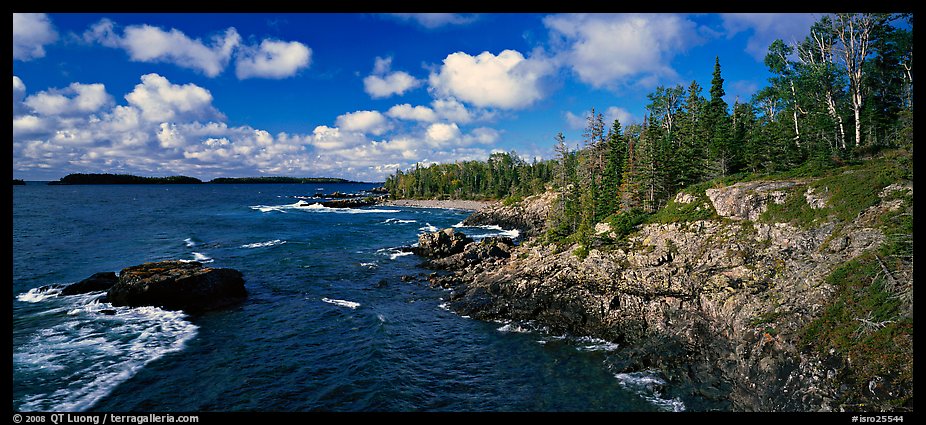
(578, 122)
(145, 43)
(272, 59)
(436, 20)
(608, 50)
(441, 133)
(406, 111)
(75, 99)
(766, 28)
(743, 89)
(160, 100)
(383, 83)
(507, 80)
(19, 92)
(364, 121)
(31, 32)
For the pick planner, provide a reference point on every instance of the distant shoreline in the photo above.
(77, 179)
(456, 204)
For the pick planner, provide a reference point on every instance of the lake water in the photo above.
(328, 325)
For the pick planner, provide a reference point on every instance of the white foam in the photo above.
(303, 206)
(595, 344)
(198, 257)
(649, 386)
(97, 351)
(35, 295)
(264, 244)
(342, 303)
(513, 327)
(399, 254)
(511, 233)
(398, 221)
(444, 306)
(428, 228)
(189, 242)
(369, 265)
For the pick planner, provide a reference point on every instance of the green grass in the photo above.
(700, 209)
(884, 350)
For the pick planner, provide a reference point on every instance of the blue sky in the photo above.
(349, 95)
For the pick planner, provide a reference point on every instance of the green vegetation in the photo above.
(122, 179)
(18, 182)
(502, 175)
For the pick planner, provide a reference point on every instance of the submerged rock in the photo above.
(177, 285)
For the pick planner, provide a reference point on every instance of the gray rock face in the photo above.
(747, 200)
(441, 244)
(177, 285)
(528, 216)
(715, 305)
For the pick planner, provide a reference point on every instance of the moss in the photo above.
(699, 209)
(794, 210)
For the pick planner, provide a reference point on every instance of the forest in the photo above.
(842, 93)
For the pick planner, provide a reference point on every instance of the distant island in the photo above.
(92, 178)
(18, 182)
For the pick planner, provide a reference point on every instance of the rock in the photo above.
(528, 216)
(442, 243)
(108, 312)
(684, 198)
(177, 285)
(98, 282)
(379, 190)
(747, 200)
(816, 199)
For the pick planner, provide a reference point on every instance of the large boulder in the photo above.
(748, 200)
(441, 244)
(98, 282)
(177, 285)
(489, 249)
(528, 216)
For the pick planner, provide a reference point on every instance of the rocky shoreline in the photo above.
(453, 204)
(717, 306)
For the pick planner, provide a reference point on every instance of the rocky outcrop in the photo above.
(441, 244)
(528, 216)
(748, 200)
(487, 250)
(98, 282)
(177, 285)
(715, 305)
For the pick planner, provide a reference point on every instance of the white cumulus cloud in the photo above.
(75, 99)
(364, 121)
(31, 32)
(436, 20)
(766, 28)
(406, 111)
(507, 80)
(605, 50)
(272, 59)
(383, 83)
(160, 100)
(146, 43)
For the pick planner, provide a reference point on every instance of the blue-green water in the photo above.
(328, 324)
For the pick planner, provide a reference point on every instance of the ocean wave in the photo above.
(97, 350)
(342, 303)
(511, 233)
(369, 265)
(264, 244)
(398, 221)
(35, 295)
(649, 386)
(428, 227)
(189, 242)
(198, 257)
(302, 206)
(595, 344)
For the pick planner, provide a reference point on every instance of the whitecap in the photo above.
(189, 242)
(428, 227)
(97, 352)
(342, 303)
(198, 257)
(35, 295)
(399, 254)
(317, 207)
(369, 265)
(398, 221)
(513, 327)
(264, 244)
